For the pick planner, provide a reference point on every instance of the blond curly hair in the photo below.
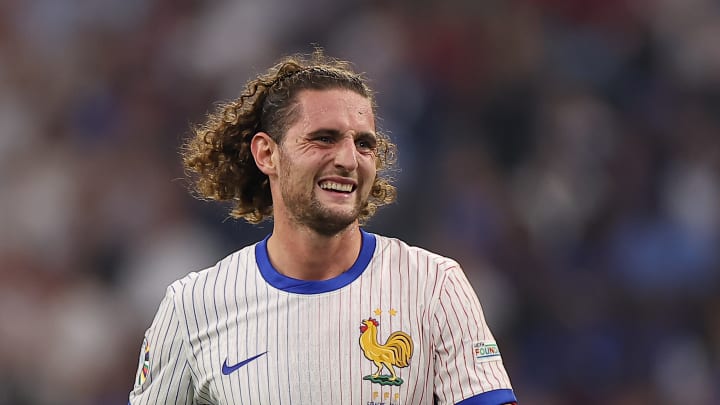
(217, 157)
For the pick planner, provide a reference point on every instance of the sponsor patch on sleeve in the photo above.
(143, 364)
(485, 350)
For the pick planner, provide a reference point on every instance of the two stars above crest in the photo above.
(379, 312)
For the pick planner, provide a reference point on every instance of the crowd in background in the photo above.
(567, 153)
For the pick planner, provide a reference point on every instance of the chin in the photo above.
(327, 228)
(332, 222)
(325, 218)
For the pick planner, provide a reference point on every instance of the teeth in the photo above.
(331, 185)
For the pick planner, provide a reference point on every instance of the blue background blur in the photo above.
(567, 153)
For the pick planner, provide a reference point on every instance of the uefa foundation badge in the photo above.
(143, 364)
(485, 351)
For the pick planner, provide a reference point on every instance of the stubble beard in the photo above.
(306, 210)
(322, 220)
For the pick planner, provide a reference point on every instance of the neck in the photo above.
(301, 253)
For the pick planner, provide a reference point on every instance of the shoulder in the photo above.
(426, 273)
(418, 266)
(397, 249)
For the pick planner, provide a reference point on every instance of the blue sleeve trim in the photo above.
(495, 397)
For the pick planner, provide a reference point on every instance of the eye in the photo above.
(324, 139)
(365, 145)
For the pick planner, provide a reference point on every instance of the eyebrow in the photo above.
(337, 134)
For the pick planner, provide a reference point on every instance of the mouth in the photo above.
(363, 328)
(337, 186)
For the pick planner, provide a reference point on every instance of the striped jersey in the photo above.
(401, 326)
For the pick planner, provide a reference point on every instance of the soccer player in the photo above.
(320, 311)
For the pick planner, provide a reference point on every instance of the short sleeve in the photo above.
(163, 375)
(468, 366)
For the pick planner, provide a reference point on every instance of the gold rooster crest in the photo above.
(395, 352)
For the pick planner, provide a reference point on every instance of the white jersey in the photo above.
(401, 326)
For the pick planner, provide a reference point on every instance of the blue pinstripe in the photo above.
(227, 270)
(217, 331)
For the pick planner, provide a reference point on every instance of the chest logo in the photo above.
(395, 352)
(229, 369)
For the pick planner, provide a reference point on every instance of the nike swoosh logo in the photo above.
(229, 369)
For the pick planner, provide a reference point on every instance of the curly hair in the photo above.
(217, 157)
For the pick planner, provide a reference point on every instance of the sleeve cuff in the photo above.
(495, 397)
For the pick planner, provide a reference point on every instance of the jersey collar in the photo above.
(293, 285)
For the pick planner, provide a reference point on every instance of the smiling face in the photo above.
(327, 165)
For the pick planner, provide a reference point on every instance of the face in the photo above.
(326, 165)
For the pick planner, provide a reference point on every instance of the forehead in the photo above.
(339, 109)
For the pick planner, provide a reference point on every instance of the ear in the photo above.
(263, 147)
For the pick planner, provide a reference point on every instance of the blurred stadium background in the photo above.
(566, 152)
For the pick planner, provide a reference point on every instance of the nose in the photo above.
(346, 154)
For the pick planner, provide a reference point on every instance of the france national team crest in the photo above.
(395, 352)
(143, 364)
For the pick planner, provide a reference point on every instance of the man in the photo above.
(320, 311)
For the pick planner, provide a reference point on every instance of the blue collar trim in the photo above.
(293, 285)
